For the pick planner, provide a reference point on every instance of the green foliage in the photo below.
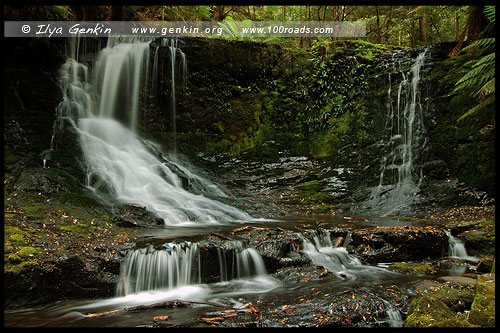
(481, 77)
(335, 86)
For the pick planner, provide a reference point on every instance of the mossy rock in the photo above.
(47, 181)
(429, 311)
(412, 268)
(457, 297)
(312, 192)
(483, 308)
(79, 229)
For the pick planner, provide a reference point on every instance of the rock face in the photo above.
(483, 308)
(389, 244)
(448, 305)
(64, 278)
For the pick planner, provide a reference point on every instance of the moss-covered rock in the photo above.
(429, 311)
(483, 308)
(412, 268)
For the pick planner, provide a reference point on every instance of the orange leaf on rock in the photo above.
(253, 308)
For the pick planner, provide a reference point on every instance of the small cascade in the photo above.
(248, 262)
(148, 269)
(399, 181)
(393, 316)
(321, 251)
(103, 104)
(456, 249)
(177, 265)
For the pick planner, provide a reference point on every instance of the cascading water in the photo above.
(178, 265)
(104, 104)
(321, 250)
(148, 269)
(456, 249)
(398, 181)
(178, 73)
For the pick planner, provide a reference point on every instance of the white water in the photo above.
(146, 269)
(179, 265)
(104, 103)
(398, 182)
(324, 252)
(456, 249)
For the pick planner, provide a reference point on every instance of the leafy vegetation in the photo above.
(481, 77)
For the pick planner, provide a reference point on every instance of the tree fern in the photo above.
(481, 77)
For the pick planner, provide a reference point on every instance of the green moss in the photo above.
(15, 234)
(17, 265)
(311, 192)
(457, 297)
(429, 311)
(28, 251)
(411, 268)
(483, 308)
(76, 199)
(10, 159)
(78, 230)
(34, 211)
(467, 146)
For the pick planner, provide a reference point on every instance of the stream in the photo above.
(171, 256)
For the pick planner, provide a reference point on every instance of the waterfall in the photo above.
(148, 269)
(456, 249)
(398, 183)
(393, 316)
(322, 252)
(103, 103)
(178, 265)
(178, 74)
(248, 262)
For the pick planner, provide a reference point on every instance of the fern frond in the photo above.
(488, 88)
(477, 76)
(478, 107)
(489, 12)
(489, 58)
(483, 43)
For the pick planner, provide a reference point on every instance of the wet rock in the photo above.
(47, 181)
(412, 268)
(390, 244)
(486, 264)
(458, 228)
(483, 308)
(436, 169)
(429, 311)
(65, 278)
(131, 216)
(462, 280)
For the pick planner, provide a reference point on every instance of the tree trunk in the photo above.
(388, 26)
(378, 36)
(218, 14)
(413, 39)
(476, 22)
(117, 13)
(423, 30)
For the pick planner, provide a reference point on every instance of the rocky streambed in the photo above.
(319, 271)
